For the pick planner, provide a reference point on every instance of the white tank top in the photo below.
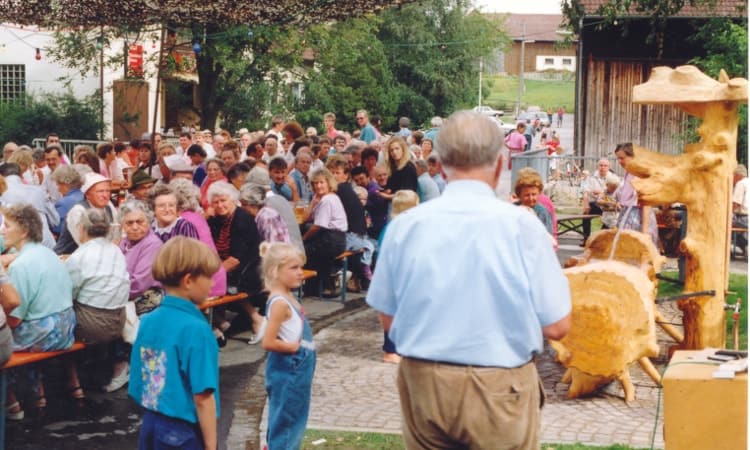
(291, 329)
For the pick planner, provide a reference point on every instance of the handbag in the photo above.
(130, 330)
(148, 301)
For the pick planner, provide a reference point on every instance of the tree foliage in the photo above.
(434, 48)
(725, 43)
(63, 114)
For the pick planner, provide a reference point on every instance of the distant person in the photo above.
(560, 113)
(446, 378)
(740, 204)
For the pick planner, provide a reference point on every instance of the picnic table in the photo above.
(573, 222)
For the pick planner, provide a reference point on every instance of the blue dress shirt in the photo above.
(469, 279)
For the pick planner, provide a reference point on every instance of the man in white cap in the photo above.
(178, 168)
(96, 191)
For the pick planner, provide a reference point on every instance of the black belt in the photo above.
(455, 364)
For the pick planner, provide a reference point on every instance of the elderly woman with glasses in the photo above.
(167, 221)
(237, 240)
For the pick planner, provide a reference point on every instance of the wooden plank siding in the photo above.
(611, 117)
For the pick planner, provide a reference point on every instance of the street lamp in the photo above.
(521, 69)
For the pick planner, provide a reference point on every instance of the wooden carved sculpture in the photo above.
(614, 315)
(701, 178)
(608, 333)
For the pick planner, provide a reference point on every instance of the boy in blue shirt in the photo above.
(174, 364)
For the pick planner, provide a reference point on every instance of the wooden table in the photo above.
(573, 222)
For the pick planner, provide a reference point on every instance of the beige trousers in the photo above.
(447, 406)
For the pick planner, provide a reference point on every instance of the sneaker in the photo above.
(259, 335)
(119, 381)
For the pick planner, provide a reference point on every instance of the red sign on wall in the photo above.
(135, 59)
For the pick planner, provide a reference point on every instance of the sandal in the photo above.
(40, 407)
(14, 411)
(75, 393)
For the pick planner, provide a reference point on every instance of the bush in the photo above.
(64, 114)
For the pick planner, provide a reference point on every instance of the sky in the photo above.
(520, 6)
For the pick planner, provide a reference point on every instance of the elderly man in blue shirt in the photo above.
(468, 332)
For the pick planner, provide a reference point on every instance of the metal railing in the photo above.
(566, 168)
(68, 145)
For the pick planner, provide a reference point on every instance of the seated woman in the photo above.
(188, 198)
(271, 225)
(238, 242)
(527, 189)
(139, 246)
(45, 320)
(167, 222)
(215, 171)
(100, 287)
(9, 300)
(326, 237)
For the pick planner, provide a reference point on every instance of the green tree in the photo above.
(725, 43)
(63, 114)
(434, 48)
(351, 72)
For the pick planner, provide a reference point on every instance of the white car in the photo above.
(489, 111)
(505, 127)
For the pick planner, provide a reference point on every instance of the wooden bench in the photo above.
(344, 258)
(573, 222)
(213, 302)
(735, 232)
(19, 359)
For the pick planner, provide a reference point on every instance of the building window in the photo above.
(12, 82)
(549, 61)
(567, 62)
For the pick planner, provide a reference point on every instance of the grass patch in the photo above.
(351, 440)
(381, 441)
(544, 94)
(737, 289)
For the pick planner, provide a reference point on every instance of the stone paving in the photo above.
(353, 390)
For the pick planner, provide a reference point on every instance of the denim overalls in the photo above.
(288, 384)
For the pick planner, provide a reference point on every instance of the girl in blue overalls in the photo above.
(291, 352)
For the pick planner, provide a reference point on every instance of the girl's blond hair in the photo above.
(274, 255)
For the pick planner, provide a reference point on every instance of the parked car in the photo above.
(505, 127)
(489, 111)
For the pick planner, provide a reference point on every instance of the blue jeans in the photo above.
(288, 384)
(160, 432)
(388, 345)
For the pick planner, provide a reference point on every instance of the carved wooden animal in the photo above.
(701, 179)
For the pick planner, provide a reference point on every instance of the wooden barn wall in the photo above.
(531, 51)
(611, 117)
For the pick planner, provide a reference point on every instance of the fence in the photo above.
(566, 168)
(68, 145)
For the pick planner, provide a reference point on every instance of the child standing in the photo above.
(291, 352)
(174, 364)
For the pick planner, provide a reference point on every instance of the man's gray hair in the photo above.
(421, 164)
(82, 169)
(187, 194)
(95, 222)
(69, 176)
(404, 122)
(222, 188)
(37, 155)
(740, 170)
(134, 205)
(252, 194)
(468, 139)
(436, 122)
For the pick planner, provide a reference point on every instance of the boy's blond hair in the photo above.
(181, 256)
(403, 200)
(275, 254)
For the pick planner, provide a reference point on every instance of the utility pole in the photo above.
(520, 71)
(480, 81)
